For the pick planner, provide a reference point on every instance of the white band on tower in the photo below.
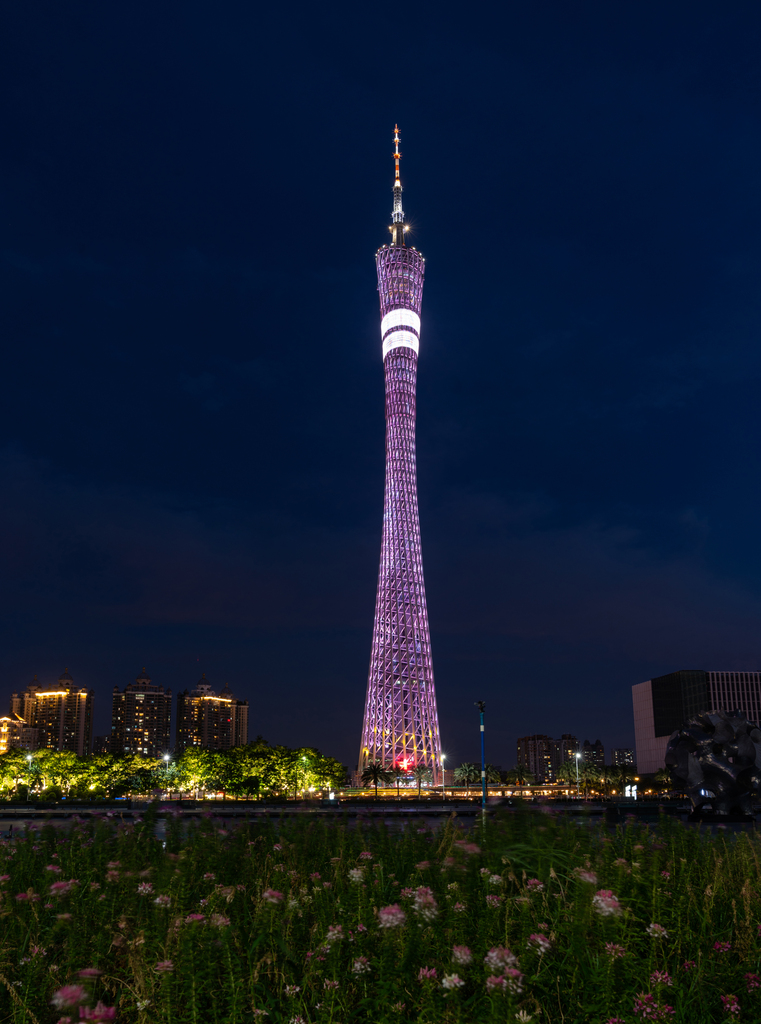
(400, 318)
(400, 339)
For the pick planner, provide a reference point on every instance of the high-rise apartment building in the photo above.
(141, 716)
(621, 756)
(207, 720)
(542, 755)
(593, 753)
(663, 704)
(535, 756)
(15, 734)
(61, 715)
(400, 724)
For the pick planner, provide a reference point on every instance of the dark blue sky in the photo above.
(191, 435)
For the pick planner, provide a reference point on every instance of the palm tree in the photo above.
(398, 773)
(374, 773)
(519, 776)
(622, 776)
(421, 774)
(467, 773)
(663, 779)
(493, 774)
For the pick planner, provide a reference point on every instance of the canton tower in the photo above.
(400, 726)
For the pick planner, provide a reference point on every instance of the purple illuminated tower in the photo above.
(401, 726)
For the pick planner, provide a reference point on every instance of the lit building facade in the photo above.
(621, 756)
(15, 734)
(141, 716)
(210, 721)
(662, 704)
(62, 715)
(534, 755)
(542, 755)
(400, 724)
(593, 753)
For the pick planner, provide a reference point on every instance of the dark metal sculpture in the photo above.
(716, 758)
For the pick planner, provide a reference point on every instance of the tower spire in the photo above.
(397, 217)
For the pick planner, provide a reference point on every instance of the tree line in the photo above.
(256, 769)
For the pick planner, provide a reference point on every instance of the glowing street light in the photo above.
(577, 755)
(443, 785)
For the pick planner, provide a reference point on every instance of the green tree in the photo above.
(493, 774)
(520, 776)
(375, 773)
(468, 773)
(421, 774)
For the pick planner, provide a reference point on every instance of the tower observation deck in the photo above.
(400, 725)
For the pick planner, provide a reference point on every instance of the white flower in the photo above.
(356, 874)
(452, 981)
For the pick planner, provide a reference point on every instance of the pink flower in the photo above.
(114, 864)
(752, 981)
(648, 1008)
(660, 978)
(422, 865)
(500, 957)
(534, 885)
(54, 868)
(586, 876)
(606, 904)
(361, 965)
(328, 984)
(365, 855)
(688, 965)
(163, 901)
(62, 888)
(657, 931)
(335, 933)
(112, 876)
(461, 955)
(391, 917)
(459, 907)
(730, 1005)
(614, 951)
(219, 921)
(540, 942)
(722, 947)
(165, 966)
(195, 919)
(145, 888)
(89, 972)
(209, 876)
(510, 981)
(465, 847)
(493, 901)
(100, 1013)
(665, 874)
(5, 878)
(68, 996)
(315, 876)
(277, 846)
(425, 903)
(426, 974)
(272, 896)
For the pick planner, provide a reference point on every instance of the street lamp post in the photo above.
(443, 784)
(577, 755)
(166, 775)
(481, 704)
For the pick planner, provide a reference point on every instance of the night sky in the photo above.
(192, 425)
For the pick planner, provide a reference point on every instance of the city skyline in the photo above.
(191, 437)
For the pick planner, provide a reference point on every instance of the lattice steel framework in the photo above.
(400, 724)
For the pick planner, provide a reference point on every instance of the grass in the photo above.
(284, 921)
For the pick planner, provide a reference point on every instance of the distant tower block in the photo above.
(400, 724)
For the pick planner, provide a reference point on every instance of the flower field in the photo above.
(528, 917)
